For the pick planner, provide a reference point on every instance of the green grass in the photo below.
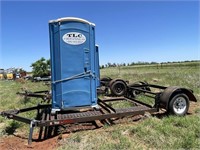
(152, 133)
(10, 100)
(120, 104)
(184, 74)
(167, 132)
(113, 138)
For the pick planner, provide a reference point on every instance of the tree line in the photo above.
(141, 63)
(42, 67)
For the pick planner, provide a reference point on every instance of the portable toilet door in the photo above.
(72, 49)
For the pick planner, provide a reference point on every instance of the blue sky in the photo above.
(126, 31)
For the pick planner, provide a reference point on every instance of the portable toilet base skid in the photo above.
(73, 63)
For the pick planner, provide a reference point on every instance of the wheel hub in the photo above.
(179, 105)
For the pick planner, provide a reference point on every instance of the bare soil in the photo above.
(20, 143)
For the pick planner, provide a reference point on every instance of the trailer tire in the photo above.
(179, 104)
(118, 88)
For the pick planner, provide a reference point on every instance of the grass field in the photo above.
(168, 132)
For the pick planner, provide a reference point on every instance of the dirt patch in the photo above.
(20, 143)
(193, 107)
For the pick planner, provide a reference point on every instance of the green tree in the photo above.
(41, 67)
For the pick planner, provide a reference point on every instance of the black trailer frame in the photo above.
(61, 118)
(44, 95)
(52, 120)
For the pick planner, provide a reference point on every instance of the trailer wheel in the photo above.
(179, 104)
(118, 88)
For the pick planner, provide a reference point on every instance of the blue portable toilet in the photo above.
(74, 72)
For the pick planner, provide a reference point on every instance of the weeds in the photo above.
(9, 100)
(169, 133)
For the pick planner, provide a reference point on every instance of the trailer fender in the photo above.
(105, 81)
(170, 92)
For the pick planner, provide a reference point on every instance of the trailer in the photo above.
(174, 100)
(75, 84)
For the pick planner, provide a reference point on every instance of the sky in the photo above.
(126, 31)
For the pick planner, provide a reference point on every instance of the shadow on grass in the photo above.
(161, 115)
(12, 127)
(166, 114)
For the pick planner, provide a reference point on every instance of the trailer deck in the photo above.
(45, 118)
